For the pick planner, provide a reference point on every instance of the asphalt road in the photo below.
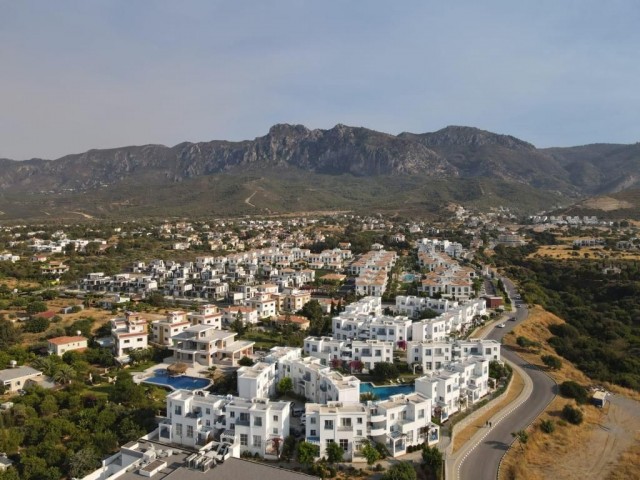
(483, 461)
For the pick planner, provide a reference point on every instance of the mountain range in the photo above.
(293, 168)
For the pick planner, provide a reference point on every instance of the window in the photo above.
(208, 410)
(420, 413)
(244, 439)
(330, 441)
(275, 418)
(189, 431)
(208, 423)
(312, 420)
(359, 420)
(393, 416)
(313, 433)
(346, 422)
(178, 410)
(232, 414)
(179, 429)
(359, 433)
(275, 431)
(257, 441)
(344, 443)
(328, 424)
(257, 421)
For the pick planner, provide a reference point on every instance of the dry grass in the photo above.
(464, 435)
(572, 452)
(627, 464)
(566, 252)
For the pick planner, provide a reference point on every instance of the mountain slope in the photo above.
(343, 167)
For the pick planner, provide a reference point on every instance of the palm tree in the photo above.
(64, 374)
(46, 365)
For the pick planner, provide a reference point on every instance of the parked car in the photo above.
(501, 325)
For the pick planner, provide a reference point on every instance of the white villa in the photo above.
(207, 345)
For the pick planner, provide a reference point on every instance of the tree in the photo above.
(552, 362)
(370, 453)
(245, 362)
(126, 391)
(83, 462)
(356, 366)
(521, 436)
(334, 452)
(400, 471)
(36, 307)
(432, 459)
(64, 374)
(285, 386)
(289, 448)
(307, 453)
(9, 334)
(36, 325)
(384, 370)
(312, 310)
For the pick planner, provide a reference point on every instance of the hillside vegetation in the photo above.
(602, 310)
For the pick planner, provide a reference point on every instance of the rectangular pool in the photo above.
(178, 382)
(383, 393)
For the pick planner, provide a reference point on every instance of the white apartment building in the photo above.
(197, 418)
(247, 315)
(412, 306)
(399, 422)
(207, 345)
(369, 352)
(367, 327)
(320, 384)
(456, 386)
(264, 304)
(128, 333)
(258, 381)
(438, 354)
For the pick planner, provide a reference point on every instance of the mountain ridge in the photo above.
(453, 152)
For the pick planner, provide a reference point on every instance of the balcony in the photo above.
(243, 422)
(345, 428)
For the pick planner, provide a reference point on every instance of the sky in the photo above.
(76, 75)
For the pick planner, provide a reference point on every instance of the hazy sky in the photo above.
(97, 74)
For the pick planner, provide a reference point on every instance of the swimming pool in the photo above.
(180, 382)
(385, 392)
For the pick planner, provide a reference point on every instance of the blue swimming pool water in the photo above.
(180, 382)
(409, 277)
(385, 392)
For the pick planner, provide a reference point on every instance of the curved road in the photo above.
(482, 461)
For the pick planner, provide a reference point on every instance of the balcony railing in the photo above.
(345, 428)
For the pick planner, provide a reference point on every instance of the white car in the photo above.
(501, 325)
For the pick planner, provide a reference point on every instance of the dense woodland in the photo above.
(601, 308)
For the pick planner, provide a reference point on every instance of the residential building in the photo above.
(14, 379)
(197, 418)
(128, 333)
(399, 422)
(207, 345)
(61, 345)
(247, 315)
(162, 331)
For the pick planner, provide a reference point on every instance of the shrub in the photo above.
(552, 362)
(547, 426)
(574, 390)
(572, 415)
